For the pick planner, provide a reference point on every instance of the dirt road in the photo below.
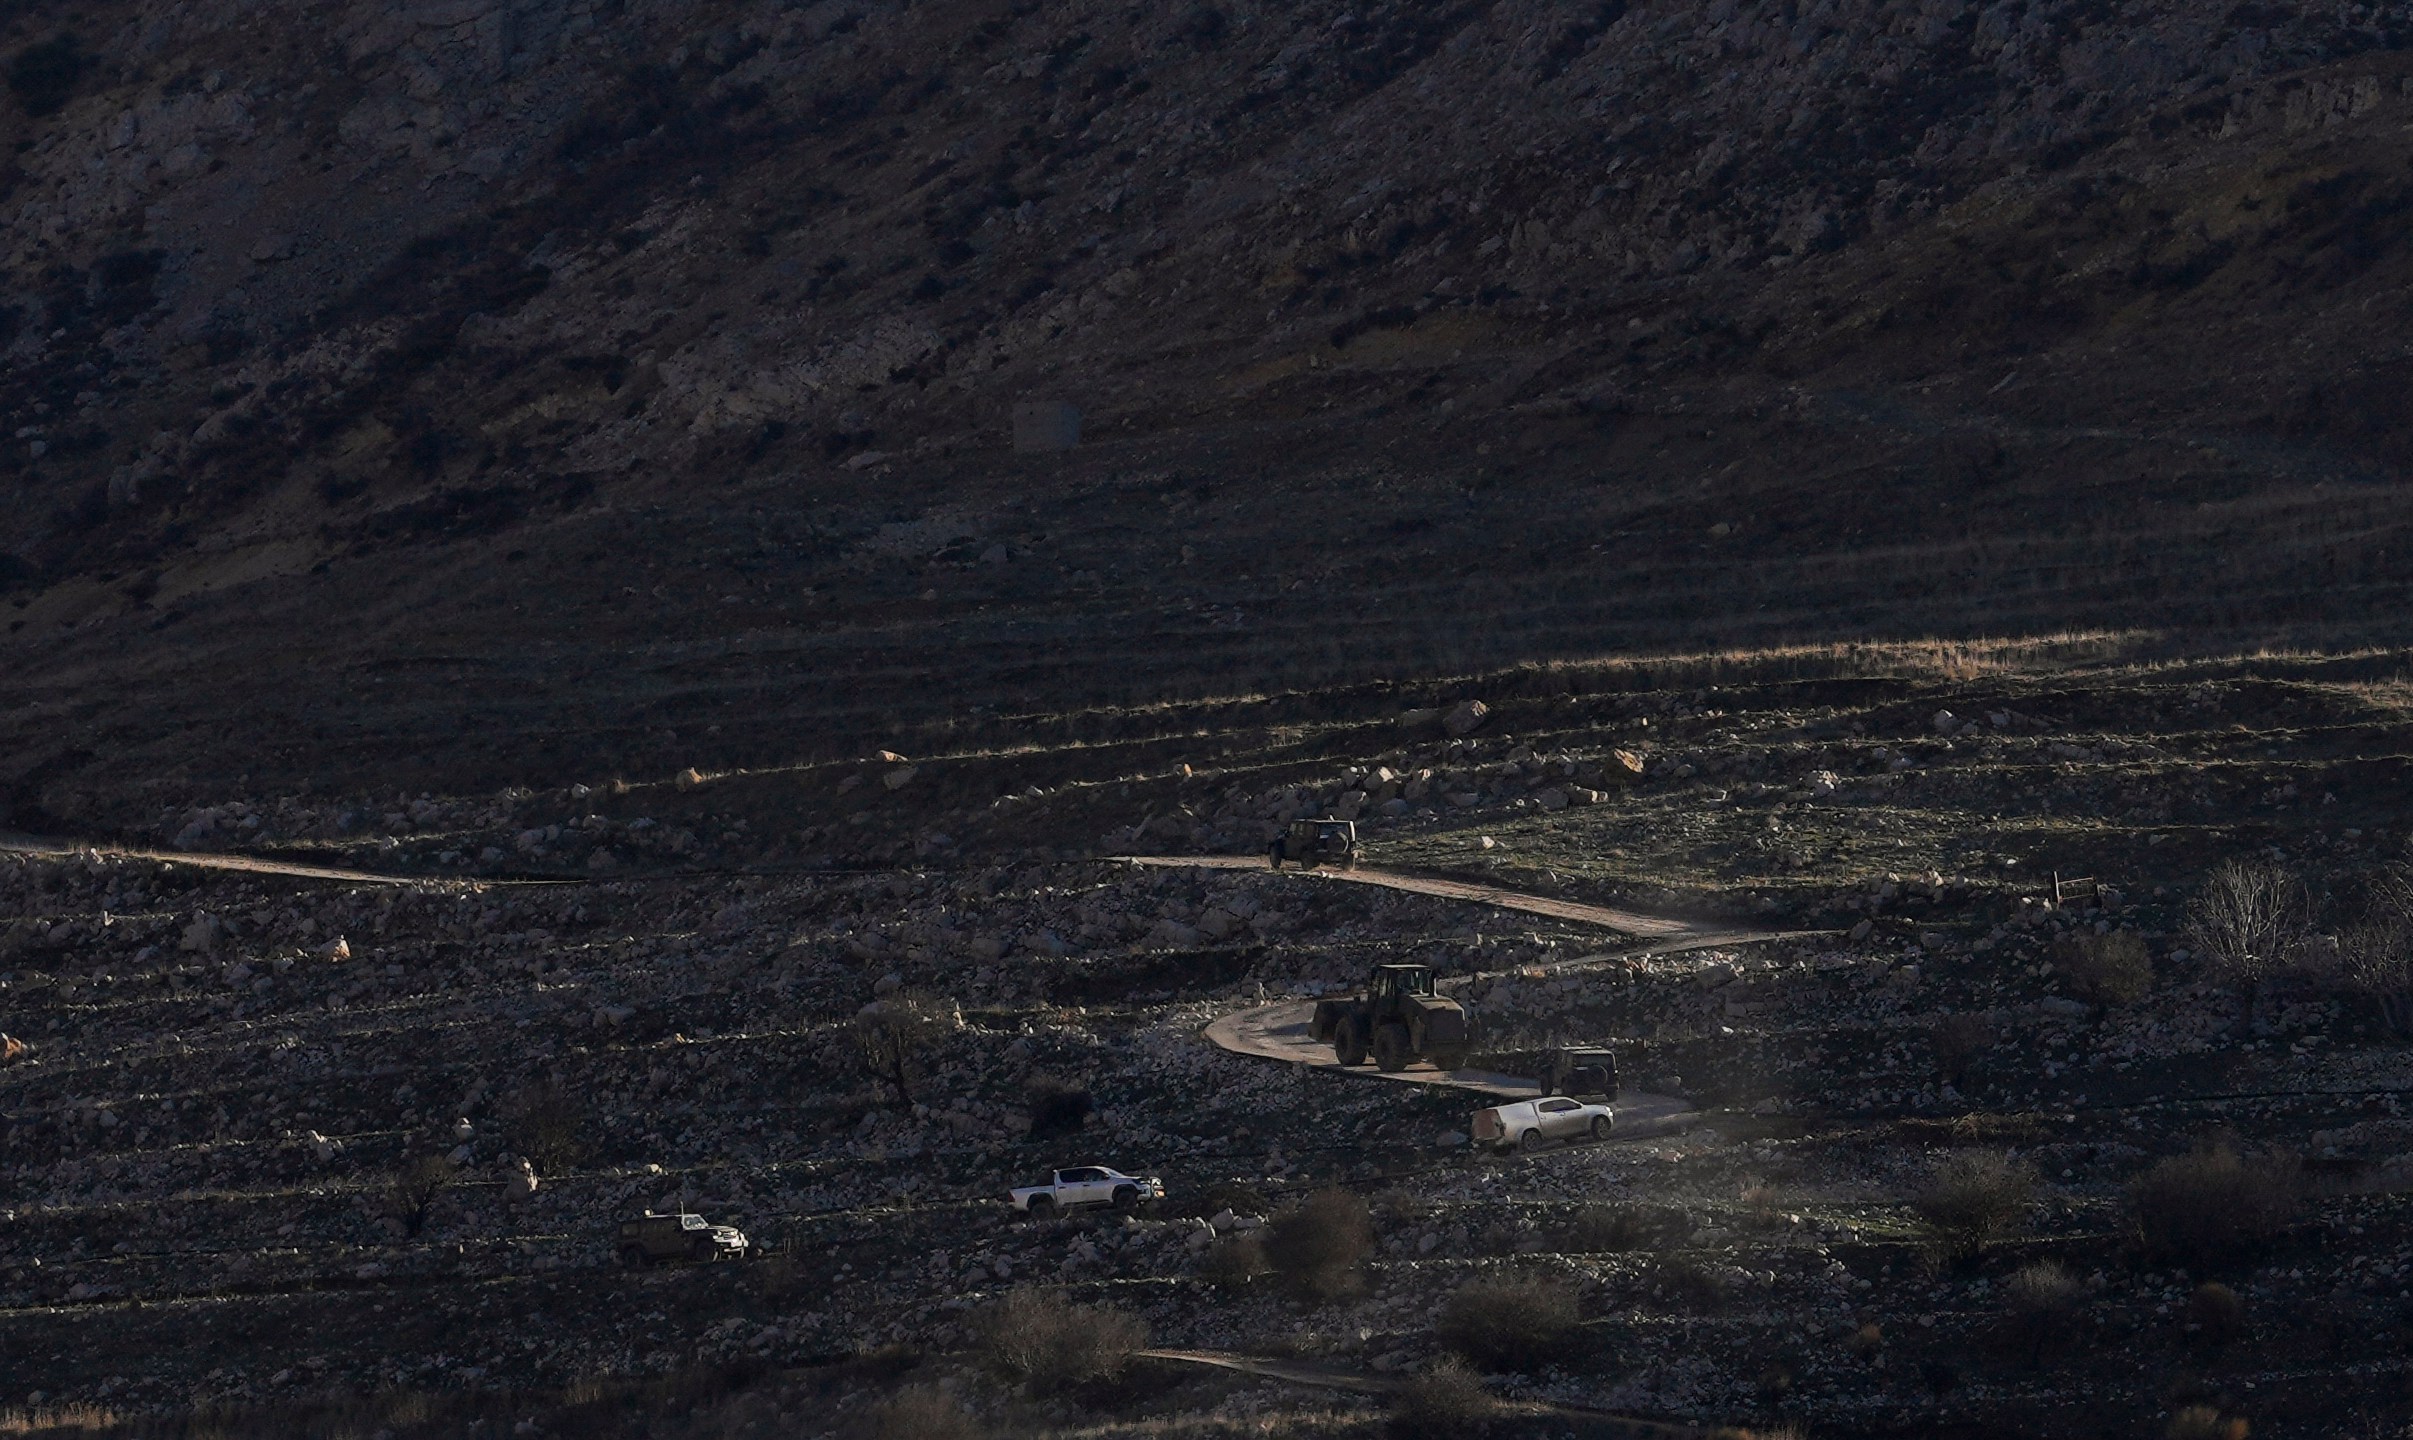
(1625, 922)
(205, 860)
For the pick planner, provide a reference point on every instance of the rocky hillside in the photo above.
(508, 348)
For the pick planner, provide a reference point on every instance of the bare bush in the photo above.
(547, 1123)
(1446, 1402)
(1510, 1322)
(2111, 969)
(1975, 1198)
(1319, 1244)
(1958, 1039)
(2215, 1313)
(2248, 923)
(894, 1034)
(2041, 1298)
(1233, 1264)
(2375, 955)
(921, 1412)
(1057, 1109)
(1047, 1344)
(416, 1185)
(2213, 1201)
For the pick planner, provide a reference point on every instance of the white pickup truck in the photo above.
(1088, 1185)
(1529, 1124)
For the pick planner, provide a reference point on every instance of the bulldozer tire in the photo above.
(632, 1257)
(1348, 1043)
(1392, 1050)
(1601, 1126)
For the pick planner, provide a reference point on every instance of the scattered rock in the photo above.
(1466, 717)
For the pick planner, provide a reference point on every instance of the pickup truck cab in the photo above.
(1531, 1124)
(1087, 1185)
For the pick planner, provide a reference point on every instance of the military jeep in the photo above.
(653, 1239)
(1309, 843)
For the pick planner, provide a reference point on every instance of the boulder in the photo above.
(1466, 717)
(1622, 767)
(1552, 799)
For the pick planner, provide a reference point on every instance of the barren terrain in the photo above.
(536, 684)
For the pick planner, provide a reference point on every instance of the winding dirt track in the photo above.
(1624, 922)
(1284, 1029)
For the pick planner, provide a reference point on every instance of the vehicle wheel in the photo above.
(1530, 1141)
(1391, 1048)
(1126, 1198)
(632, 1257)
(1601, 1125)
(1042, 1207)
(1348, 1045)
(1450, 1059)
(1273, 856)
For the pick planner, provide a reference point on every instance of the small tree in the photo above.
(2248, 923)
(1974, 1198)
(894, 1033)
(1047, 1344)
(1510, 1322)
(548, 1124)
(418, 1182)
(1318, 1245)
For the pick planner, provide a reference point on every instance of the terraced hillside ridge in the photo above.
(1941, 1177)
(476, 393)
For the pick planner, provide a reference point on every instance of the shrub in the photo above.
(2109, 969)
(43, 77)
(1046, 1344)
(2375, 955)
(921, 1412)
(895, 1034)
(1234, 1263)
(1446, 1402)
(1605, 1230)
(1958, 1039)
(1510, 1322)
(2216, 1313)
(1057, 1109)
(2041, 1297)
(1867, 1343)
(415, 1187)
(2212, 1202)
(2202, 1422)
(1318, 1245)
(1973, 1199)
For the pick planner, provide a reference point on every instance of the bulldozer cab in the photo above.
(1394, 981)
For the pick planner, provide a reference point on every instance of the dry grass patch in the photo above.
(1446, 1402)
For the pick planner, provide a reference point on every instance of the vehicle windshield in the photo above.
(691, 1222)
(1416, 982)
